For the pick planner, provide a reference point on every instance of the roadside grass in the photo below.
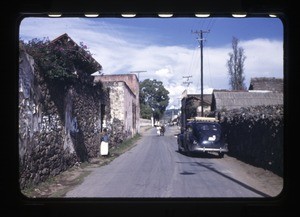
(39, 190)
(58, 186)
(125, 145)
(70, 185)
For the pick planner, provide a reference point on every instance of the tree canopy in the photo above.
(235, 66)
(154, 99)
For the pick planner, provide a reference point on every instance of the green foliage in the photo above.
(61, 60)
(146, 111)
(154, 99)
(235, 66)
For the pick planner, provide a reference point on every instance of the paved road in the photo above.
(155, 169)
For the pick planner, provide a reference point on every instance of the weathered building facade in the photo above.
(124, 100)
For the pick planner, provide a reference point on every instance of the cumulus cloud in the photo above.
(118, 50)
(264, 57)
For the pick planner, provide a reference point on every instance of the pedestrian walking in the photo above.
(158, 128)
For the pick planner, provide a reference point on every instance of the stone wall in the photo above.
(145, 122)
(255, 135)
(59, 125)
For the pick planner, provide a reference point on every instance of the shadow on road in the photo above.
(211, 168)
(199, 155)
(187, 173)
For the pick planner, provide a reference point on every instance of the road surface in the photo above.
(155, 169)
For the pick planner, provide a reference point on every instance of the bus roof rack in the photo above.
(205, 119)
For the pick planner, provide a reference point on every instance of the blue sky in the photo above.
(176, 31)
(167, 50)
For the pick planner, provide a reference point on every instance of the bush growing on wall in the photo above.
(60, 117)
(61, 60)
(255, 135)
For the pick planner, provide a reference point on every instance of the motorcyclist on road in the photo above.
(162, 130)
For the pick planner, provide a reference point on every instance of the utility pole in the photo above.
(187, 82)
(187, 77)
(200, 40)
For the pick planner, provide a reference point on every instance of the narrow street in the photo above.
(155, 169)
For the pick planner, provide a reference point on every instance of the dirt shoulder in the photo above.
(258, 178)
(59, 185)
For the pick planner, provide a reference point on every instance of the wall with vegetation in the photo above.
(256, 135)
(59, 121)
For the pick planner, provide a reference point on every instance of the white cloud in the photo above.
(118, 52)
(263, 58)
(165, 73)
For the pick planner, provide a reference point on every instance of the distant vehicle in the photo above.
(160, 130)
(202, 134)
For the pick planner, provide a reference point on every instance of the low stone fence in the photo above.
(145, 122)
(255, 135)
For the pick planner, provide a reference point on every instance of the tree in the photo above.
(154, 99)
(235, 66)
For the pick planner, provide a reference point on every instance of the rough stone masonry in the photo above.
(59, 125)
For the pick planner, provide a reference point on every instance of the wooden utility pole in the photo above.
(200, 40)
(187, 82)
